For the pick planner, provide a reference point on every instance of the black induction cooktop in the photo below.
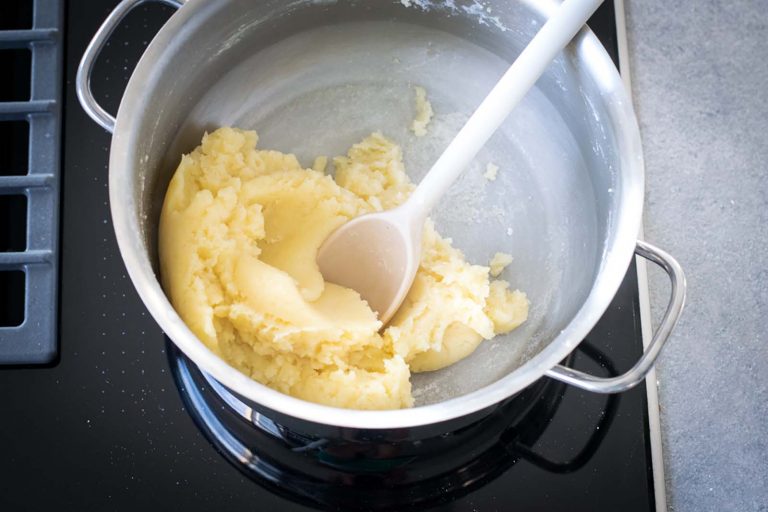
(118, 420)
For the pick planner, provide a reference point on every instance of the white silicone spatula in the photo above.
(377, 254)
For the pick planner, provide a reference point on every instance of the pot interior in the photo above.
(314, 77)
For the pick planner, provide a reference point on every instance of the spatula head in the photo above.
(376, 255)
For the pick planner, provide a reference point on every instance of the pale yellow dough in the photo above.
(423, 112)
(491, 171)
(499, 262)
(239, 233)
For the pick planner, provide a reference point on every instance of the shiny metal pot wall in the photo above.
(316, 76)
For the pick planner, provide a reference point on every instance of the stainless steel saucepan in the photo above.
(314, 77)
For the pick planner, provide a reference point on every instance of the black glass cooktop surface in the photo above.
(105, 426)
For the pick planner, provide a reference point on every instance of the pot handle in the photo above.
(83, 78)
(638, 372)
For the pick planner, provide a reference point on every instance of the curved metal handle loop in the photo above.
(638, 372)
(83, 78)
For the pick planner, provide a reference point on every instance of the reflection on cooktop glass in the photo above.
(123, 421)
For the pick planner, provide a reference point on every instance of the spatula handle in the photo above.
(519, 78)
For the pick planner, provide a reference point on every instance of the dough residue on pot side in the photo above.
(499, 262)
(239, 233)
(491, 171)
(423, 112)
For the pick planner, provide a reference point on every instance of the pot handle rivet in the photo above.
(83, 78)
(638, 372)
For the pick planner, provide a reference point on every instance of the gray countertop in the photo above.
(700, 84)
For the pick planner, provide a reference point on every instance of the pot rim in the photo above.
(616, 257)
